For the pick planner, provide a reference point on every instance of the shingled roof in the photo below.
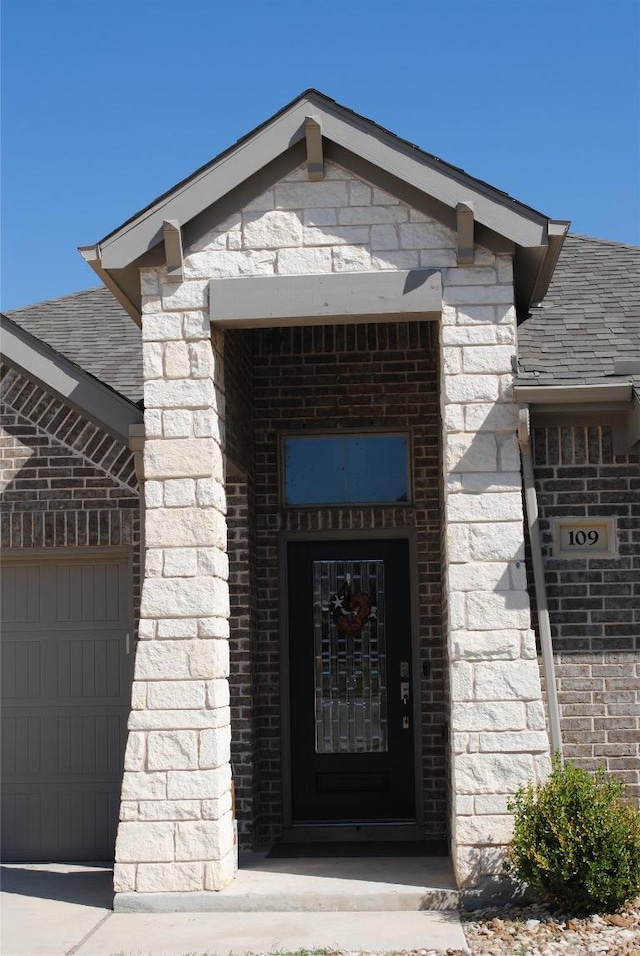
(92, 330)
(589, 317)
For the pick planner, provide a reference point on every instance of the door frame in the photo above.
(348, 831)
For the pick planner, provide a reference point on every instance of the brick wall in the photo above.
(594, 604)
(336, 377)
(65, 482)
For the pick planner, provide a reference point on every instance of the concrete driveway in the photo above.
(65, 910)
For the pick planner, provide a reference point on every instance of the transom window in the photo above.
(346, 469)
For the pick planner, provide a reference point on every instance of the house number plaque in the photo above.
(579, 537)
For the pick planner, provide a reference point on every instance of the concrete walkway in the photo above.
(64, 910)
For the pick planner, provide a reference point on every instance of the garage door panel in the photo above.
(78, 824)
(66, 686)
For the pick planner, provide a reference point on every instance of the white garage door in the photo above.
(66, 684)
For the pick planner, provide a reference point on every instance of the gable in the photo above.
(317, 131)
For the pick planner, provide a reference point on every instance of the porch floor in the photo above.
(339, 884)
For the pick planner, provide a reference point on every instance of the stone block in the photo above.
(492, 773)
(177, 423)
(135, 752)
(461, 676)
(457, 543)
(335, 235)
(476, 716)
(466, 452)
(454, 416)
(176, 360)
(536, 719)
(437, 258)
(208, 424)
(212, 263)
(359, 193)
(452, 363)
(124, 877)
(172, 750)
(320, 217)
(215, 747)
(179, 393)
(158, 327)
(482, 576)
(219, 873)
(153, 423)
(144, 842)
(214, 809)
(498, 609)
(180, 563)
(382, 198)
(506, 680)
(192, 294)
(481, 335)
(217, 627)
(218, 693)
(184, 597)
(489, 508)
(153, 562)
(491, 483)
(304, 261)
(471, 275)
(152, 354)
(180, 492)
(212, 561)
(479, 295)
(457, 610)
(272, 230)
(395, 259)
(198, 784)
(196, 326)
(478, 830)
(137, 785)
(351, 259)
(182, 660)
(509, 453)
(261, 203)
(476, 315)
(462, 389)
(523, 741)
(177, 695)
(138, 695)
(182, 458)
(170, 809)
(312, 195)
(170, 877)
(186, 527)
(368, 215)
(257, 263)
(204, 839)
(500, 542)
(491, 804)
(425, 235)
(493, 359)
(174, 719)
(472, 863)
(178, 629)
(485, 645)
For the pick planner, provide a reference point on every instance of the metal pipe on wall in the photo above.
(544, 622)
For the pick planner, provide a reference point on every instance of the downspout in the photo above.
(544, 623)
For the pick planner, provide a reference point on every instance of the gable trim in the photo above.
(77, 388)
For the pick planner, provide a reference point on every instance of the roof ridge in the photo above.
(57, 298)
(605, 242)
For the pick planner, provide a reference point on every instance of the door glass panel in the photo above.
(349, 631)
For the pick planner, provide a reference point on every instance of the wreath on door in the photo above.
(350, 610)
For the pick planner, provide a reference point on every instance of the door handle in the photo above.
(404, 697)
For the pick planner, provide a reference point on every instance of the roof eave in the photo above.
(72, 384)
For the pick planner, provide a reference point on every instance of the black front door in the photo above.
(352, 756)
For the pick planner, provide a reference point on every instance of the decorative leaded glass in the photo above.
(349, 632)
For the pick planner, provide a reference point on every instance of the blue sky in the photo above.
(107, 103)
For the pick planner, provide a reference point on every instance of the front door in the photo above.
(352, 752)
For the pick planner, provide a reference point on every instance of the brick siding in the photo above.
(594, 604)
(323, 378)
(65, 482)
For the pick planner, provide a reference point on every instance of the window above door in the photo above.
(346, 468)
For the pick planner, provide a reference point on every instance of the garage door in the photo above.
(66, 683)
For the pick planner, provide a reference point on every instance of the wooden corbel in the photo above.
(136, 445)
(315, 159)
(173, 249)
(464, 217)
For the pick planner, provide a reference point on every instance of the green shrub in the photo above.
(575, 841)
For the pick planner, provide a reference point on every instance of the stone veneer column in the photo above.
(498, 735)
(175, 833)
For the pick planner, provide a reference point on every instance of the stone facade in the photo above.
(594, 605)
(176, 827)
